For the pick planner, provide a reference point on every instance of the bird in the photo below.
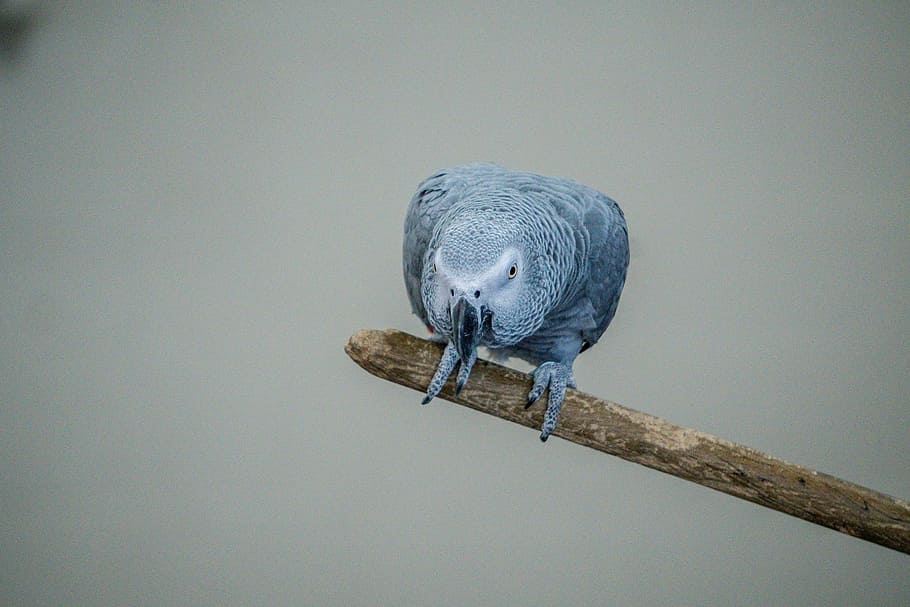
(526, 265)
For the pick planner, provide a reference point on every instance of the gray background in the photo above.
(199, 205)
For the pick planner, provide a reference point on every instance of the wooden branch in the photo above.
(650, 441)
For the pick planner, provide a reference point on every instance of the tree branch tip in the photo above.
(645, 439)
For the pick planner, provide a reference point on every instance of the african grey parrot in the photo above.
(526, 265)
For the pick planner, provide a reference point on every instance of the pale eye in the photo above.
(513, 271)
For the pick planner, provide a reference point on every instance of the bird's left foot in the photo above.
(557, 376)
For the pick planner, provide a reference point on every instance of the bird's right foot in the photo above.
(446, 365)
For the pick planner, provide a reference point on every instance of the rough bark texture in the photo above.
(650, 441)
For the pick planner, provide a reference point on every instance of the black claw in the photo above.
(544, 437)
(458, 386)
(426, 399)
(530, 402)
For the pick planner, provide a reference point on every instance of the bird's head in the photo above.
(484, 279)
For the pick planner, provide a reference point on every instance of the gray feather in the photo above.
(597, 224)
(470, 230)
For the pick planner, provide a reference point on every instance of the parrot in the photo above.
(526, 265)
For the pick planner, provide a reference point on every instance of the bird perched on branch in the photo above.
(526, 265)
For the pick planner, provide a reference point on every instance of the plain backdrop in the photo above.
(199, 205)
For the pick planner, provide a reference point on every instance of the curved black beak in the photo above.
(466, 328)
